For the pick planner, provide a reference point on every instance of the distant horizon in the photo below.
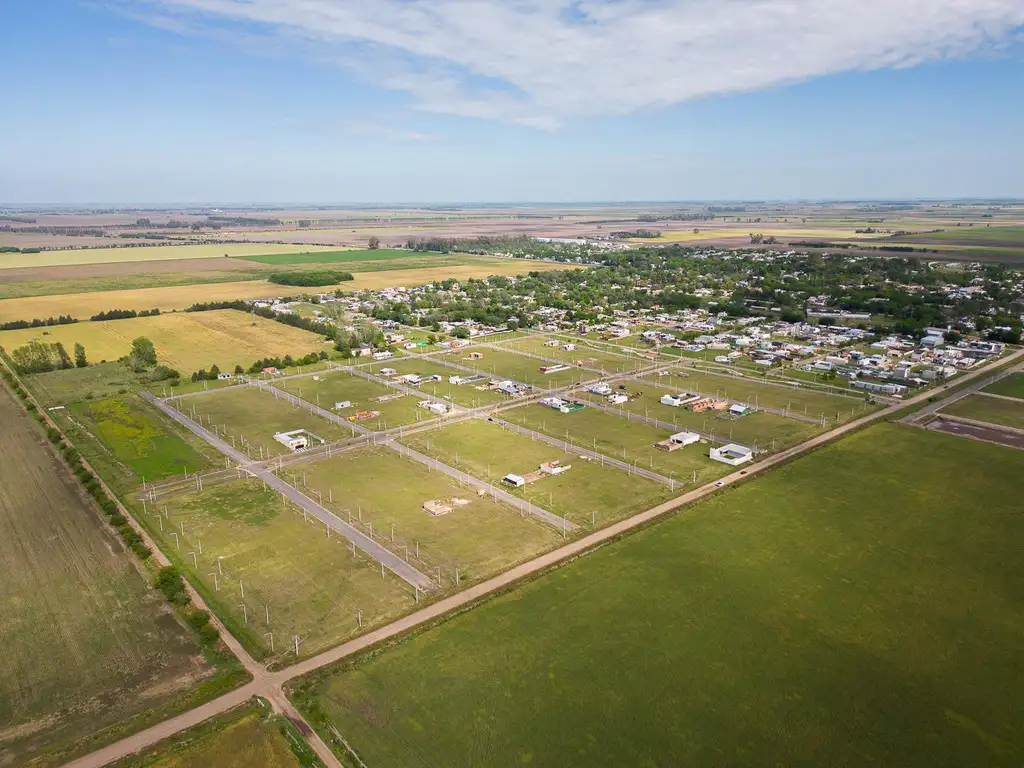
(457, 204)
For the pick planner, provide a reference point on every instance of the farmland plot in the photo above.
(87, 644)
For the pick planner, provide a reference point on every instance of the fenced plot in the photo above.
(619, 438)
(384, 492)
(243, 545)
(502, 364)
(581, 353)
(249, 418)
(86, 643)
(467, 395)
(765, 430)
(994, 410)
(588, 494)
(395, 408)
(1010, 386)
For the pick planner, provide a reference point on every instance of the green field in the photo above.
(329, 256)
(1011, 386)
(249, 418)
(508, 365)
(463, 394)
(619, 438)
(87, 644)
(310, 585)
(857, 606)
(247, 737)
(362, 393)
(758, 428)
(586, 355)
(148, 253)
(381, 489)
(489, 452)
(73, 384)
(132, 442)
(994, 410)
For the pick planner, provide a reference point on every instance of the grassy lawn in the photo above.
(619, 438)
(131, 441)
(362, 393)
(757, 428)
(381, 489)
(582, 354)
(87, 644)
(489, 452)
(247, 737)
(857, 606)
(252, 417)
(74, 384)
(1011, 386)
(509, 365)
(463, 394)
(990, 409)
(312, 585)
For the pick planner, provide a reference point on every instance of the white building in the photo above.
(732, 454)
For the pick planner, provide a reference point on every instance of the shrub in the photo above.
(117, 520)
(168, 580)
(198, 619)
(209, 635)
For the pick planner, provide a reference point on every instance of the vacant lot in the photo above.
(249, 418)
(501, 364)
(308, 584)
(337, 387)
(86, 643)
(806, 618)
(147, 253)
(387, 492)
(587, 494)
(994, 410)
(184, 341)
(243, 738)
(582, 354)
(1011, 386)
(464, 394)
(619, 438)
(130, 441)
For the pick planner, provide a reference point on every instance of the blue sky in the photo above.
(154, 101)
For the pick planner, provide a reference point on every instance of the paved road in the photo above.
(574, 448)
(977, 430)
(363, 542)
(271, 683)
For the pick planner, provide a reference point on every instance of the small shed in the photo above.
(516, 481)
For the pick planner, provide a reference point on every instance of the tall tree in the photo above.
(80, 361)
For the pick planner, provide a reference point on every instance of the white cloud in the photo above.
(373, 130)
(539, 62)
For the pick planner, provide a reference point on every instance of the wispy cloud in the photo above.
(373, 130)
(540, 62)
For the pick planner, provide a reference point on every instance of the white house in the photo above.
(677, 400)
(385, 355)
(601, 389)
(736, 409)
(732, 454)
(617, 399)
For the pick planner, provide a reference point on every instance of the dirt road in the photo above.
(269, 684)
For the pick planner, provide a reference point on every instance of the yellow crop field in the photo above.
(185, 341)
(150, 253)
(84, 305)
(744, 229)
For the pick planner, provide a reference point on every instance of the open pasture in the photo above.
(275, 564)
(87, 644)
(619, 438)
(248, 418)
(328, 256)
(857, 606)
(1010, 386)
(184, 341)
(502, 364)
(147, 253)
(489, 452)
(246, 737)
(994, 410)
(339, 386)
(380, 488)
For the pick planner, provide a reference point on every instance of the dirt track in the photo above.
(269, 685)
